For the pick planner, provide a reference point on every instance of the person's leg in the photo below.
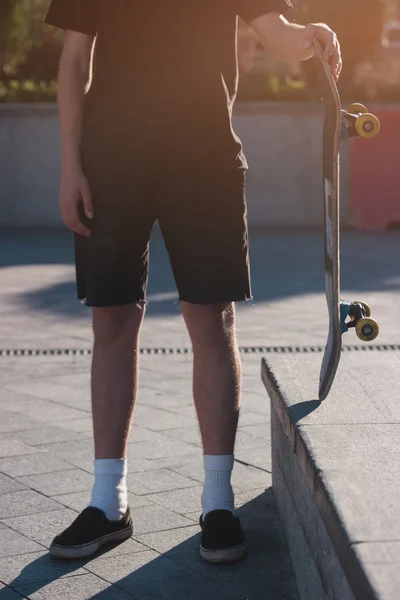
(204, 227)
(111, 270)
(216, 373)
(114, 390)
(114, 377)
(114, 387)
(216, 389)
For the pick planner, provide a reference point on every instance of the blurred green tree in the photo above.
(28, 48)
(7, 13)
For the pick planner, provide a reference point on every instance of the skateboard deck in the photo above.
(338, 125)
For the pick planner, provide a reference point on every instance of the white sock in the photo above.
(109, 492)
(217, 490)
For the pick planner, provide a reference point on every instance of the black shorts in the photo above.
(202, 215)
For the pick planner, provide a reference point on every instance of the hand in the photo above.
(75, 192)
(330, 45)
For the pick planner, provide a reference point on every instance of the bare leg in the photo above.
(217, 387)
(216, 373)
(114, 377)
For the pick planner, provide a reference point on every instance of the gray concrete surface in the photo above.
(319, 574)
(45, 425)
(46, 477)
(335, 473)
(38, 306)
(282, 143)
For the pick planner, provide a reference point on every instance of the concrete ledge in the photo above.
(336, 473)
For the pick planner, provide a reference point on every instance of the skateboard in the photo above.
(339, 125)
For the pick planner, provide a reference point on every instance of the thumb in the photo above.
(87, 199)
(309, 35)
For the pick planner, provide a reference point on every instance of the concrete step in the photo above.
(336, 471)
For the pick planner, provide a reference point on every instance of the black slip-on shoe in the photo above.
(222, 537)
(90, 530)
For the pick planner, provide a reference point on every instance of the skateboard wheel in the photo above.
(367, 125)
(357, 109)
(365, 307)
(367, 329)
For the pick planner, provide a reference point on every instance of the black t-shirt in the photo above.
(163, 68)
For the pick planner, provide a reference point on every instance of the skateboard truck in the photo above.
(357, 314)
(358, 122)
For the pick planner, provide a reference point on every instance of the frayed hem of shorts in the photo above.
(138, 303)
(247, 300)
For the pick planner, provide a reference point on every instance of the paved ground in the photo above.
(38, 305)
(46, 476)
(45, 428)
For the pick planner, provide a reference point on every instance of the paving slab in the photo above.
(68, 450)
(46, 435)
(136, 567)
(190, 435)
(156, 518)
(255, 454)
(8, 484)
(21, 402)
(13, 543)
(165, 541)
(25, 502)
(8, 594)
(36, 567)
(11, 447)
(149, 574)
(80, 587)
(180, 500)
(11, 421)
(18, 466)
(83, 425)
(160, 480)
(162, 420)
(44, 527)
(160, 446)
(57, 483)
(192, 585)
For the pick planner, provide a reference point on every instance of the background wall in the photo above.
(282, 144)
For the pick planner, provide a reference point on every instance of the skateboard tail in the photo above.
(325, 382)
(333, 348)
(324, 389)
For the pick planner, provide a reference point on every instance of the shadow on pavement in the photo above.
(180, 573)
(284, 264)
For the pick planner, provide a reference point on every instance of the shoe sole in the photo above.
(71, 552)
(224, 555)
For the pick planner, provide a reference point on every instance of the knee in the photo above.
(114, 322)
(210, 322)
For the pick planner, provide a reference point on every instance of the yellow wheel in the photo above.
(367, 125)
(367, 329)
(365, 307)
(357, 109)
